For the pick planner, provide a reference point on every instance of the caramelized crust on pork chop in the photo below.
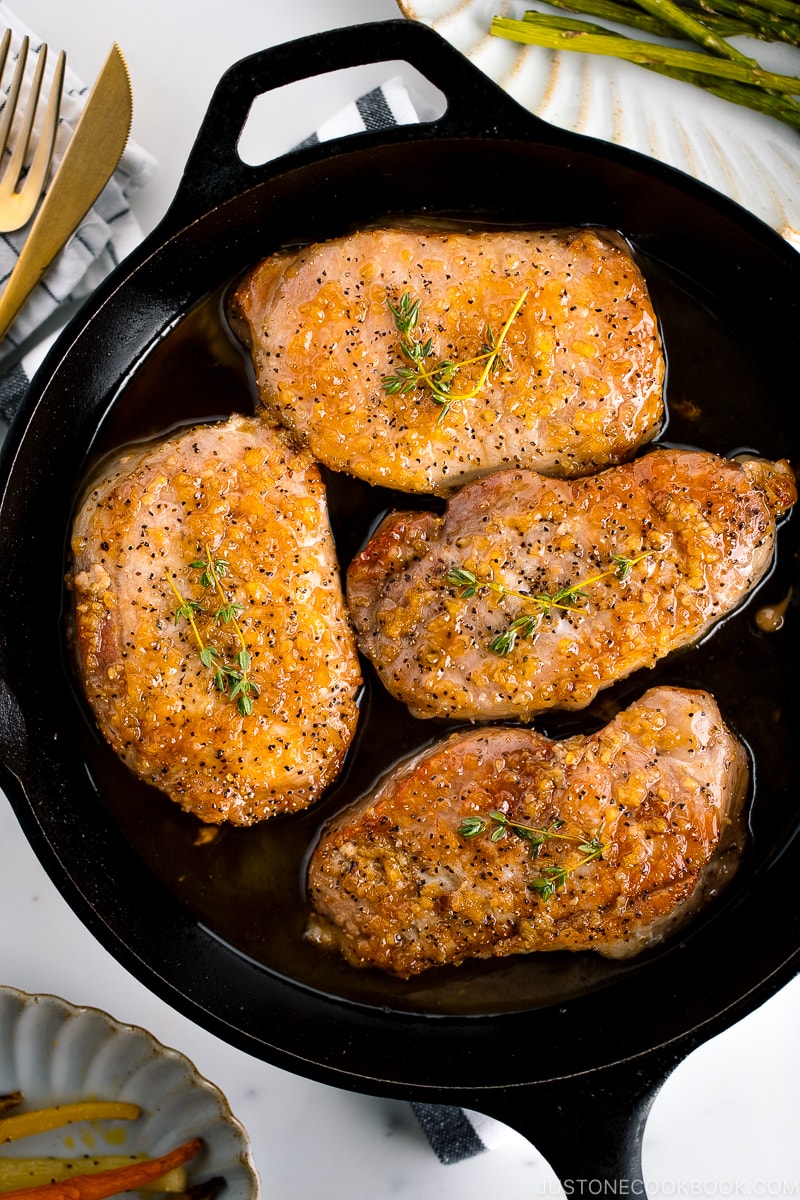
(576, 385)
(240, 493)
(532, 593)
(634, 814)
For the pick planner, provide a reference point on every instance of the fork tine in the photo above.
(13, 92)
(42, 157)
(23, 137)
(19, 200)
(4, 45)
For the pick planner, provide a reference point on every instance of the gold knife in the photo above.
(88, 162)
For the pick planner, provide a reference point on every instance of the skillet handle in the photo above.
(475, 105)
(589, 1128)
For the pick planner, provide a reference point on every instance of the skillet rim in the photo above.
(333, 1064)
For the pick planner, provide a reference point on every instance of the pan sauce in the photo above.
(247, 885)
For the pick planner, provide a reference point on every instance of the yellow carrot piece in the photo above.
(40, 1120)
(33, 1172)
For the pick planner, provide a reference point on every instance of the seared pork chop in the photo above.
(602, 842)
(210, 628)
(532, 593)
(558, 360)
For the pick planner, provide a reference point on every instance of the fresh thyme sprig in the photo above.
(438, 378)
(242, 688)
(552, 878)
(232, 678)
(525, 625)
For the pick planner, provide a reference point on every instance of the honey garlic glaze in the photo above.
(248, 885)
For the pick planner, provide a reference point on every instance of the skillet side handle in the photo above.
(589, 1128)
(214, 171)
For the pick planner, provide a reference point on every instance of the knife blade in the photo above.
(89, 160)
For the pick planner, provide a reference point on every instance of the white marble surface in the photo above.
(726, 1123)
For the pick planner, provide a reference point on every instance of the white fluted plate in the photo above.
(56, 1053)
(752, 158)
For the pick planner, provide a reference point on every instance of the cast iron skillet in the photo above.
(567, 1050)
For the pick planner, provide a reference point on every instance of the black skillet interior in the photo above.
(216, 929)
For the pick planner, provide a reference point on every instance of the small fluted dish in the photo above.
(55, 1052)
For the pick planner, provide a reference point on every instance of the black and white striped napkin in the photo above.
(108, 233)
(458, 1133)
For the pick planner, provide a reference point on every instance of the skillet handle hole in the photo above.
(345, 101)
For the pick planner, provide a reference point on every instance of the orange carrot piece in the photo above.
(108, 1183)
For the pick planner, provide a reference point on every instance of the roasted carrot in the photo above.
(109, 1183)
(33, 1171)
(42, 1119)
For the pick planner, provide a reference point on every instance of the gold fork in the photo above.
(24, 177)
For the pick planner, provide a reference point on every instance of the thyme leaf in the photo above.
(406, 313)
(187, 609)
(523, 627)
(553, 879)
(470, 827)
(212, 569)
(208, 656)
(228, 613)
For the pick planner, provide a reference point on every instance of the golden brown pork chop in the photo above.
(532, 593)
(216, 540)
(576, 384)
(603, 840)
